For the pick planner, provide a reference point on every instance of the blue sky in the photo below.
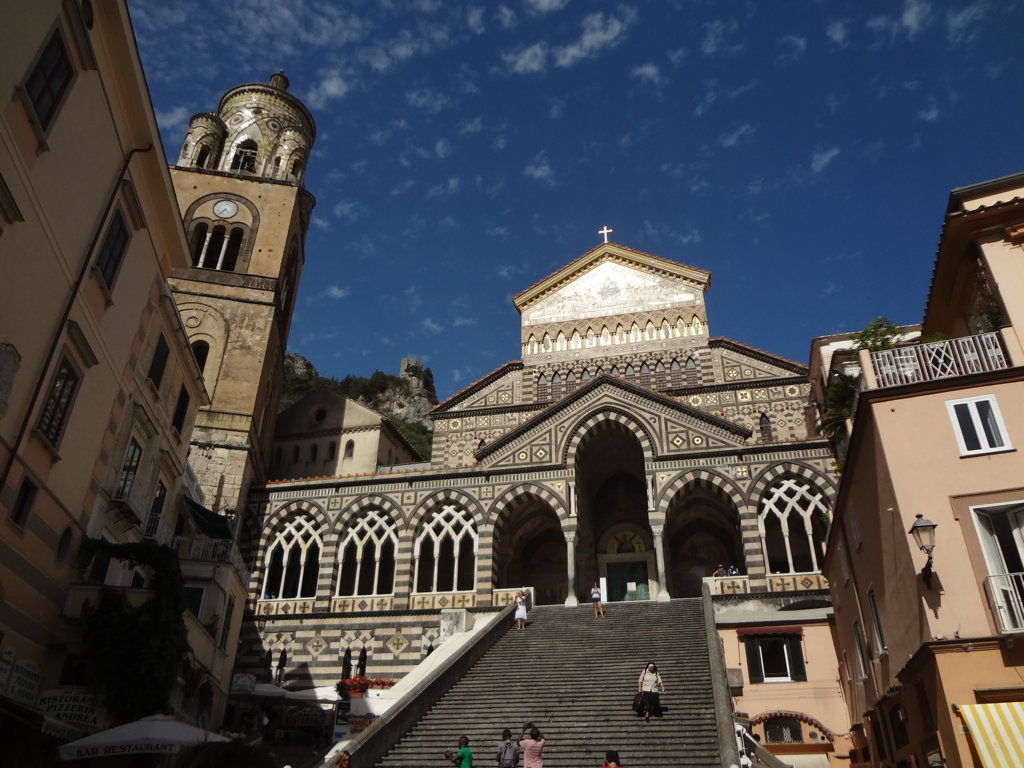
(802, 152)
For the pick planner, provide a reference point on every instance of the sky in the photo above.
(802, 151)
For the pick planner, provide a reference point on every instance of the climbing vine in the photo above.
(133, 653)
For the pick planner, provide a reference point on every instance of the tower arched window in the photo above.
(293, 560)
(445, 551)
(313, 451)
(231, 251)
(296, 169)
(201, 352)
(277, 166)
(203, 157)
(366, 555)
(792, 520)
(350, 449)
(244, 159)
(199, 236)
(211, 254)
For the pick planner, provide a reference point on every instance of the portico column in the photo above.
(570, 566)
(659, 554)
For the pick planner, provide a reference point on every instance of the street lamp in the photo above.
(923, 531)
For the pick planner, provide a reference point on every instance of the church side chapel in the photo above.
(627, 444)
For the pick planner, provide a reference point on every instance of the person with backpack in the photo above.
(508, 751)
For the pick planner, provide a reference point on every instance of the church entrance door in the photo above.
(628, 581)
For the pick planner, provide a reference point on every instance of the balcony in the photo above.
(1006, 598)
(937, 360)
(210, 551)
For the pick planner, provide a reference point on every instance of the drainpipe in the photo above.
(59, 332)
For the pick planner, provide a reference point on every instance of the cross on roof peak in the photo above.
(606, 231)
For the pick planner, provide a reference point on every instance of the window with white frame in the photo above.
(445, 551)
(129, 469)
(978, 425)
(792, 522)
(775, 657)
(876, 624)
(862, 656)
(366, 555)
(293, 560)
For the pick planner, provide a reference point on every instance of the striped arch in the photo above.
(277, 521)
(603, 418)
(792, 468)
(299, 506)
(715, 482)
(499, 511)
(804, 718)
(445, 496)
(383, 503)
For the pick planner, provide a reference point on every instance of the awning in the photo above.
(997, 731)
(777, 629)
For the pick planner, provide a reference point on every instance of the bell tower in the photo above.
(245, 211)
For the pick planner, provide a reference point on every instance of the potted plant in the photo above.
(382, 682)
(354, 687)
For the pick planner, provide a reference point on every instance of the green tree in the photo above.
(840, 396)
(881, 333)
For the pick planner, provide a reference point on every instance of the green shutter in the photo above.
(754, 669)
(795, 652)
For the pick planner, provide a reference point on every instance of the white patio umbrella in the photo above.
(156, 734)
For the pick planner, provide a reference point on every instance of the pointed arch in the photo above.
(603, 419)
(606, 336)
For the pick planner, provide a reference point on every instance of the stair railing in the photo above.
(728, 751)
(386, 731)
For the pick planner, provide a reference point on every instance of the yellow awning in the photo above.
(998, 732)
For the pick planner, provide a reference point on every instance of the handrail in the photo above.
(936, 360)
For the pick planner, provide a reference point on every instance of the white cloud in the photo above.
(445, 188)
(506, 17)
(676, 56)
(821, 159)
(347, 209)
(429, 326)
(931, 113)
(838, 32)
(469, 127)
(538, 168)
(401, 189)
(332, 86)
(442, 148)
(830, 289)
(174, 119)
(475, 20)
(336, 291)
(527, 60)
(427, 99)
(737, 135)
(412, 297)
(508, 270)
(793, 47)
(716, 37)
(961, 26)
(498, 232)
(546, 6)
(320, 223)
(914, 17)
(599, 32)
(460, 321)
(648, 72)
(556, 108)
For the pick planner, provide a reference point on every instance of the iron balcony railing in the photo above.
(1006, 598)
(938, 360)
(211, 550)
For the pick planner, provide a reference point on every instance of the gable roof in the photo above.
(611, 382)
(469, 389)
(760, 354)
(699, 278)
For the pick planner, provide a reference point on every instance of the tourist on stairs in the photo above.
(532, 747)
(508, 751)
(611, 759)
(648, 686)
(462, 757)
(520, 610)
(595, 597)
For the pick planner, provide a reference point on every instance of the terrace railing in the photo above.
(939, 360)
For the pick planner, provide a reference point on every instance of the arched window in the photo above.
(764, 426)
(313, 450)
(560, 341)
(234, 247)
(615, 370)
(244, 159)
(692, 374)
(585, 376)
(293, 561)
(277, 166)
(361, 666)
(696, 327)
(792, 521)
(332, 450)
(201, 352)
(199, 234)
(620, 335)
(634, 333)
(446, 552)
(650, 332)
(296, 169)
(782, 730)
(606, 337)
(203, 157)
(212, 250)
(350, 449)
(366, 555)
(547, 343)
(629, 371)
(666, 331)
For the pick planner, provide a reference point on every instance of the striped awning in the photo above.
(997, 731)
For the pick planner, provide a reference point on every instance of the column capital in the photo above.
(658, 530)
(570, 537)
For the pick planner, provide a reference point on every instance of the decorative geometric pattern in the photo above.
(797, 583)
(317, 645)
(397, 643)
(788, 499)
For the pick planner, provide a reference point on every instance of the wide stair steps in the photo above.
(574, 676)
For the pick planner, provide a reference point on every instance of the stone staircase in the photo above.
(574, 676)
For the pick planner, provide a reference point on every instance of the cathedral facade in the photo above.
(626, 445)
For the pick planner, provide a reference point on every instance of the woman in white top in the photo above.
(650, 686)
(595, 598)
(520, 610)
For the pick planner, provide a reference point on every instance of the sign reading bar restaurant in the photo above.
(109, 750)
